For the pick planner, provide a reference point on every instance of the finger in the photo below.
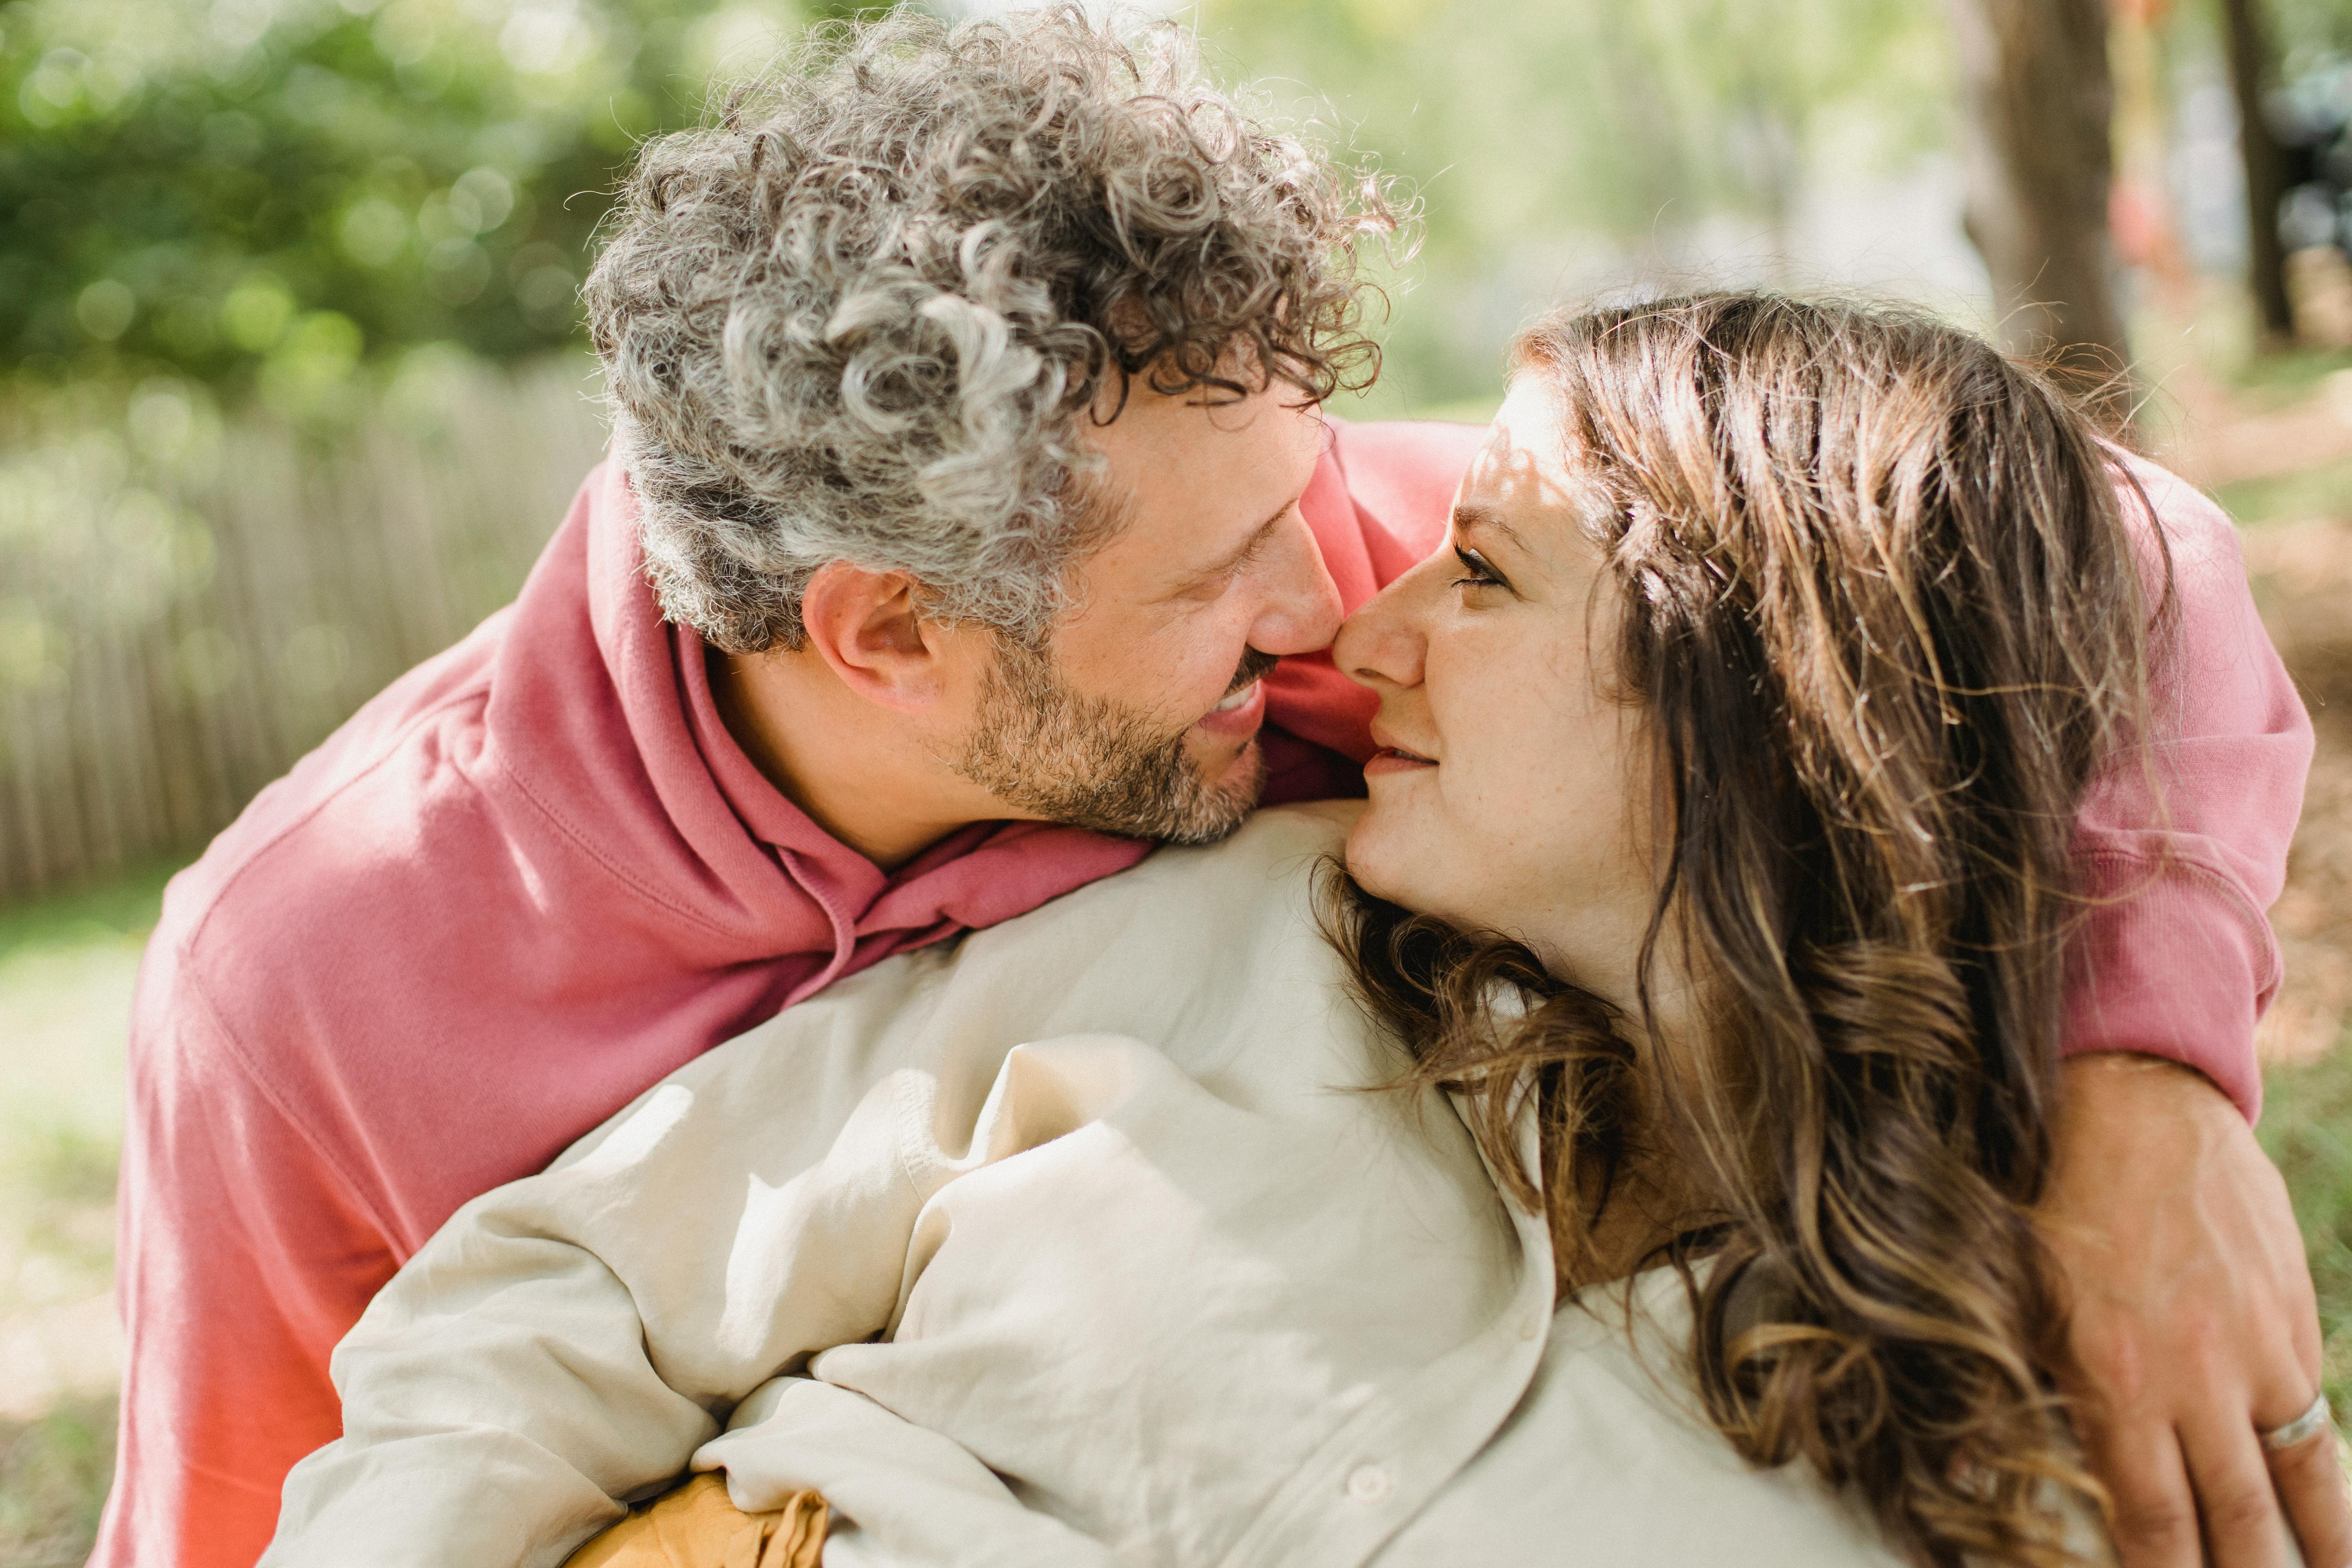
(2140, 1464)
(2235, 1500)
(2309, 1479)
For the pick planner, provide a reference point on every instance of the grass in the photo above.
(66, 965)
(2288, 497)
(54, 1473)
(2307, 1127)
(2286, 375)
(124, 906)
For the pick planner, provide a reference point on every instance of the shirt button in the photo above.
(1368, 1483)
(1530, 1329)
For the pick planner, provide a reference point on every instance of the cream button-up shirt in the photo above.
(1093, 1240)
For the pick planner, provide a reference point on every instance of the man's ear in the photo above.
(868, 628)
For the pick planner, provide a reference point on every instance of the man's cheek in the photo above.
(1156, 675)
(1184, 688)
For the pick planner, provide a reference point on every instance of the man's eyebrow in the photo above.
(1471, 515)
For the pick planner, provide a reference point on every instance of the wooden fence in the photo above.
(189, 603)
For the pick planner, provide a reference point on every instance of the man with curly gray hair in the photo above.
(972, 523)
(902, 352)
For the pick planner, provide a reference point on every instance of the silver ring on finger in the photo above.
(2302, 1429)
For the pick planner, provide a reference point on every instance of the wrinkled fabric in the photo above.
(1185, 1286)
(695, 1526)
(536, 874)
(1108, 1198)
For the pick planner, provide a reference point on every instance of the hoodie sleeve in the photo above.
(2181, 844)
(243, 1253)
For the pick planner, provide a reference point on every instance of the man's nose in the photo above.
(1302, 609)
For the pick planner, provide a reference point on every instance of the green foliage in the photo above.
(267, 192)
(1538, 135)
(2308, 33)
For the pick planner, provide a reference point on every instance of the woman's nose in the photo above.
(1381, 644)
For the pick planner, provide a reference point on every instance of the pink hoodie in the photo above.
(536, 874)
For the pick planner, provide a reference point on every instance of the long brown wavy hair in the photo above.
(1883, 620)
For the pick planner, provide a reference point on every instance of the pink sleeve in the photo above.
(240, 1268)
(2181, 857)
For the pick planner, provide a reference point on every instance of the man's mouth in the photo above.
(1237, 700)
(1239, 715)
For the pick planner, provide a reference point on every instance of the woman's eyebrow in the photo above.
(1470, 516)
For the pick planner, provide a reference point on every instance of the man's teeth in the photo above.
(1236, 700)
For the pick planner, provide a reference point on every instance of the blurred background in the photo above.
(292, 390)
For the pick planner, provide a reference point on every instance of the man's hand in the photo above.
(2194, 1325)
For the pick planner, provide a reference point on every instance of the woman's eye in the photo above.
(1476, 572)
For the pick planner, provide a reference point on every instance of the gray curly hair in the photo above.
(862, 316)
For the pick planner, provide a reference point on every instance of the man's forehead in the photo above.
(1223, 459)
(1146, 414)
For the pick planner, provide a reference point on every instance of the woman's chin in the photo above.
(1378, 861)
(1405, 858)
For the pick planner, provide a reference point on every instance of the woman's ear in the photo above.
(868, 628)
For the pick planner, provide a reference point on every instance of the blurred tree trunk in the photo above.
(2036, 101)
(2252, 72)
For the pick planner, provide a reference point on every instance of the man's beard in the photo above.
(1043, 747)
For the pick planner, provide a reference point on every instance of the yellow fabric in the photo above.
(695, 1526)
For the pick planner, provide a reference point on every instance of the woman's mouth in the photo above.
(1396, 760)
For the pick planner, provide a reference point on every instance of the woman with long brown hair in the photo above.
(1722, 831)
